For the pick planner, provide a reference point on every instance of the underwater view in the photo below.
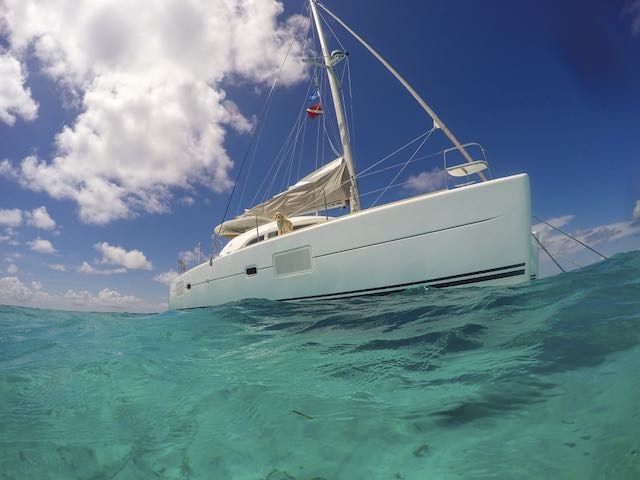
(540, 380)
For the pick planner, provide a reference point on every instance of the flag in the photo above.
(314, 110)
(314, 96)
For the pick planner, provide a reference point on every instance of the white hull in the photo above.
(474, 235)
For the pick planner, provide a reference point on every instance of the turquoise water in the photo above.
(533, 381)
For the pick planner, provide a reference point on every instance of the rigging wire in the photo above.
(328, 134)
(317, 143)
(331, 30)
(390, 186)
(280, 157)
(393, 153)
(405, 165)
(304, 134)
(571, 237)
(352, 130)
(396, 165)
(270, 101)
(251, 141)
(324, 20)
(548, 253)
(567, 259)
(301, 124)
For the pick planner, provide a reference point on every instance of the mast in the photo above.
(337, 104)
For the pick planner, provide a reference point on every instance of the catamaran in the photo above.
(476, 231)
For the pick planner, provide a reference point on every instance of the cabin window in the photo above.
(255, 240)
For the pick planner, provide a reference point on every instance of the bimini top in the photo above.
(323, 189)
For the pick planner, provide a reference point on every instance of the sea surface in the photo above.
(537, 381)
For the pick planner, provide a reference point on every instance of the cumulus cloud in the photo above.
(14, 292)
(427, 181)
(12, 268)
(57, 267)
(15, 99)
(9, 236)
(633, 9)
(636, 210)
(191, 257)
(41, 246)
(5, 167)
(557, 222)
(594, 237)
(90, 270)
(133, 259)
(39, 218)
(166, 277)
(11, 217)
(147, 76)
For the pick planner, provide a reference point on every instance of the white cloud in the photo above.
(427, 181)
(594, 237)
(9, 236)
(12, 269)
(6, 170)
(58, 267)
(42, 246)
(166, 277)
(15, 99)
(11, 217)
(557, 222)
(39, 218)
(636, 210)
(147, 75)
(14, 292)
(133, 259)
(633, 9)
(90, 270)
(190, 257)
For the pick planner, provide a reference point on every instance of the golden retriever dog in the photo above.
(284, 224)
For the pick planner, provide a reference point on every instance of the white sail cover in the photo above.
(328, 186)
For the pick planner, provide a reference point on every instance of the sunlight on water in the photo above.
(534, 381)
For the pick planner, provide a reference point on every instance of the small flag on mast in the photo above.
(314, 96)
(314, 110)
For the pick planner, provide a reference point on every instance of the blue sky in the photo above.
(123, 124)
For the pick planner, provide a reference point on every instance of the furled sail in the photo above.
(327, 187)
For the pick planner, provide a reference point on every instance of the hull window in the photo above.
(251, 271)
(293, 261)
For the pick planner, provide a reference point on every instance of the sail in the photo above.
(327, 187)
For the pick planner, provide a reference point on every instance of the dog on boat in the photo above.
(284, 224)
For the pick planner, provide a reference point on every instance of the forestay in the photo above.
(327, 187)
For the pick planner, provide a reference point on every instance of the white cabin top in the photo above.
(269, 231)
